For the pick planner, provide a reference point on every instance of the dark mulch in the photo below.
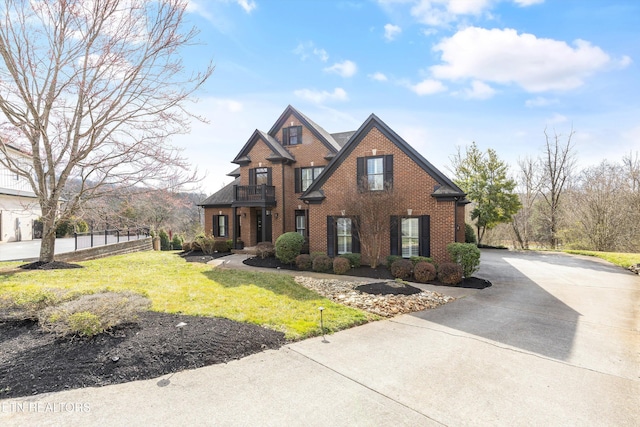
(33, 361)
(53, 265)
(388, 288)
(199, 256)
(381, 272)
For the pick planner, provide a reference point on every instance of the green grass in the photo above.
(622, 259)
(174, 286)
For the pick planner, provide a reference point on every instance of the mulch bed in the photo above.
(53, 265)
(388, 288)
(33, 361)
(381, 272)
(199, 256)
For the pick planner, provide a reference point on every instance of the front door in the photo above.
(263, 222)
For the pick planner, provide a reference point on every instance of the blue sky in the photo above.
(441, 73)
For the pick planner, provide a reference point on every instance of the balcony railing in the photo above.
(254, 195)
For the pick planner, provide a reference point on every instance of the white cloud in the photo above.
(320, 97)
(379, 77)
(556, 118)
(391, 31)
(479, 90)
(504, 56)
(306, 49)
(540, 101)
(247, 5)
(428, 87)
(345, 68)
(525, 3)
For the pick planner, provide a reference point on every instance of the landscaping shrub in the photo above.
(322, 264)
(316, 254)
(23, 305)
(416, 259)
(187, 246)
(64, 229)
(176, 243)
(205, 243)
(354, 259)
(469, 234)
(93, 314)
(341, 265)
(450, 273)
(229, 245)
(424, 272)
(288, 246)
(467, 255)
(220, 246)
(82, 226)
(303, 262)
(165, 244)
(391, 259)
(401, 269)
(195, 246)
(265, 250)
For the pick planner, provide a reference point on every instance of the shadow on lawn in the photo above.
(281, 284)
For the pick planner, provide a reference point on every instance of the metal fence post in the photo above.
(75, 236)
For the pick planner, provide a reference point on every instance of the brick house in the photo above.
(296, 177)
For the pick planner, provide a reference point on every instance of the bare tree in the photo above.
(374, 210)
(93, 90)
(557, 164)
(631, 228)
(528, 190)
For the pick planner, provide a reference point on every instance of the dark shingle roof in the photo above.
(223, 197)
(342, 137)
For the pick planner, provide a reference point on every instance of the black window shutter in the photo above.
(226, 226)
(298, 179)
(425, 235)
(360, 172)
(355, 237)
(285, 136)
(331, 236)
(388, 170)
(215, 226)
(252, 177)
(269, 176)
(394, 236)
(299, 134)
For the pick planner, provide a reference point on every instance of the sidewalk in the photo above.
(29, 250)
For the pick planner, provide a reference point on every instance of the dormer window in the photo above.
(292, 135)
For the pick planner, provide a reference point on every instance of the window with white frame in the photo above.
(308, 175)
(375, 173)
(409, 229)
(301, 223)
(344, 239)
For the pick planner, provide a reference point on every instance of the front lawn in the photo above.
(625, 260)
(174, 286)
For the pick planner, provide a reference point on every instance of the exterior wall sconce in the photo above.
(409, 212)
(277, 215)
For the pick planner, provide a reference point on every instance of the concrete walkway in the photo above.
(555, 341)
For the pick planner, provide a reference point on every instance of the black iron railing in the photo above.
(108, 237)
(258, 194)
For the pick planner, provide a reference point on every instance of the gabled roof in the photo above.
(447, 188)
(221, 198)
(322, 135)
(279, 153)
(342, 137)
(234, 173)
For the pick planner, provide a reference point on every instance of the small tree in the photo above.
(484, 178)
(288, 246)
(374, 210)
(467, 255)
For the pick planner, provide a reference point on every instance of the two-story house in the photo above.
(18, 204)
(296, 177)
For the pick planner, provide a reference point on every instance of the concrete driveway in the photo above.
(555, 341)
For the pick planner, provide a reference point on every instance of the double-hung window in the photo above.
(292, 135)
(344, 237)
(375, 173)
(262, 176)
(220, 225)
(301, 223)
(308, 175)
(409, 228)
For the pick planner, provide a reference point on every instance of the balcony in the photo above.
(254, 195)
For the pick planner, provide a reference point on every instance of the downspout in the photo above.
(284, 211)
(455, 219)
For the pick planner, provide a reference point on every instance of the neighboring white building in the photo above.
(18, 204)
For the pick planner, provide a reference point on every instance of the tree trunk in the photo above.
(48, 243)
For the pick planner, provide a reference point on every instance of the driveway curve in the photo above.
(554, 341)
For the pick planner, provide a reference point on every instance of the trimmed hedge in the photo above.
(303, 262)
(322, 264)
(265, 250)
(288, 246)
(467, 255)
(354, 259)
(424, 272)
(450, 273)
(341, 265)
(401, 269)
